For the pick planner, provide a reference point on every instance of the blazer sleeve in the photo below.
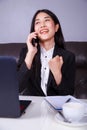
(23, 71)
(66, 87)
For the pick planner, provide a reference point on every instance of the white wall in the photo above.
(16, 15)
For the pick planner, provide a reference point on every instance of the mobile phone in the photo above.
(35, 40)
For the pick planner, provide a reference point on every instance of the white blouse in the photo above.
(45, 57)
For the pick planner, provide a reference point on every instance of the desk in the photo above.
(38, 116)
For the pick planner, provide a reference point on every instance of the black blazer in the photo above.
(30, 80)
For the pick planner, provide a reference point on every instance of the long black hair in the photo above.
(59, 39)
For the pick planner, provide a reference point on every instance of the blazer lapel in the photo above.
(56, 52)
(38, 73)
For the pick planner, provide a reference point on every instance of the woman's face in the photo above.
(45, 27)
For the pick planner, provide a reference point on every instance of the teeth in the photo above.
(43, 31)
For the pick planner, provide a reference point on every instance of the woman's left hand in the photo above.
(55, 65)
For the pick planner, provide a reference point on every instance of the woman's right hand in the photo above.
(30, 47)
(32, 50)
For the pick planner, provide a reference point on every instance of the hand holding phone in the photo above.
(35, 40)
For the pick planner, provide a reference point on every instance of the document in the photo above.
(57, 101)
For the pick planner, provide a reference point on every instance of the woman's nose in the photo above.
(43, 24)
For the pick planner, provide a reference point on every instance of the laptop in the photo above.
(10, 105)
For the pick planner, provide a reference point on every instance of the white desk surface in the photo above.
(38, 116)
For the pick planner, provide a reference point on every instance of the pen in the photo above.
(68, 100)
(60, 112)
(64, 118)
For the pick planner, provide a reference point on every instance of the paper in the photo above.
(57, 101)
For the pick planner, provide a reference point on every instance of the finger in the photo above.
(35, 44)
(61, 59)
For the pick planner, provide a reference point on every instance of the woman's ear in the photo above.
(57, 27)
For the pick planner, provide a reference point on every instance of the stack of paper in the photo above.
(57, 101)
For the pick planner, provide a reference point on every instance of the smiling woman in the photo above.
(46, 68)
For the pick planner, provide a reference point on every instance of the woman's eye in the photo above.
(37, 23)
(47, 20)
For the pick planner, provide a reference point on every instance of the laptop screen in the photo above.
(9, 89)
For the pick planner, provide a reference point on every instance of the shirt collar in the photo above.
(46, 52)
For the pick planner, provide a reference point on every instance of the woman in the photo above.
(46, 68)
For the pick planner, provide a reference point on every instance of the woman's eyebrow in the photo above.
(44, 18)
(47, 17)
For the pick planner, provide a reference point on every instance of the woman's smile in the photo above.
(43, 31)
